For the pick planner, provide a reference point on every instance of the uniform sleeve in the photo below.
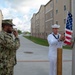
(17, 43)
(1, 39)
(11, 44)
(51, 41)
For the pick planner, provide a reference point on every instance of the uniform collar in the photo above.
(6, 33)
(56, 34)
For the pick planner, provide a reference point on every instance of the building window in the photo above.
(51, 14)
(56, 22)
(64, 7)
(56, 11)
(64, 21)
(56, 1)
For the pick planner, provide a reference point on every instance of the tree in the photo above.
(19, 31)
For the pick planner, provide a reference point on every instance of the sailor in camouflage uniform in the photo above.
(8, 47)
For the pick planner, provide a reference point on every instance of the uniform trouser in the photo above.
(6, 71)
(53, 67)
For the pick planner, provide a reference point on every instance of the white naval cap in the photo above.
(55, 26)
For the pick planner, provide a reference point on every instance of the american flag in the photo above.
(68, 29)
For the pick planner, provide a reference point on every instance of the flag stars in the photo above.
(69, 22)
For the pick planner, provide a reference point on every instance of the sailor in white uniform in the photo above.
(55, 41)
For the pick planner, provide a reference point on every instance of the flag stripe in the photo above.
(68, 43)
(67, 40)
(68, 37)
(68, 32)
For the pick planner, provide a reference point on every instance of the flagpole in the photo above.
(73, 51)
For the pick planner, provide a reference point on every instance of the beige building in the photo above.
(33, 25)
(49, 12)
(37, 25)
(42, 22)
(55, 11)
(1, 17)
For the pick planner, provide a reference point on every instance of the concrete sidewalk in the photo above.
(33, 59)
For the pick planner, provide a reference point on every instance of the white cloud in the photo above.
(21, 11)
(21, 24)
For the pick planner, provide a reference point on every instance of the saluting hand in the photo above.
(15, 33)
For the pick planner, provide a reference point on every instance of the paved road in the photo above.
(33, 59)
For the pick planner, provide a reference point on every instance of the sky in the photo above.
(21, 11)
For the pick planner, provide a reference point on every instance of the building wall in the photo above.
(42, 21)
(60, 12)
(33, 25)
(48, 17)
(37, 25)
(1, 17)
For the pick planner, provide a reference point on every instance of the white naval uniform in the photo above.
(53, 45)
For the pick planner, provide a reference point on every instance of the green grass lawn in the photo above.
(37, 40)
(42, 41)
